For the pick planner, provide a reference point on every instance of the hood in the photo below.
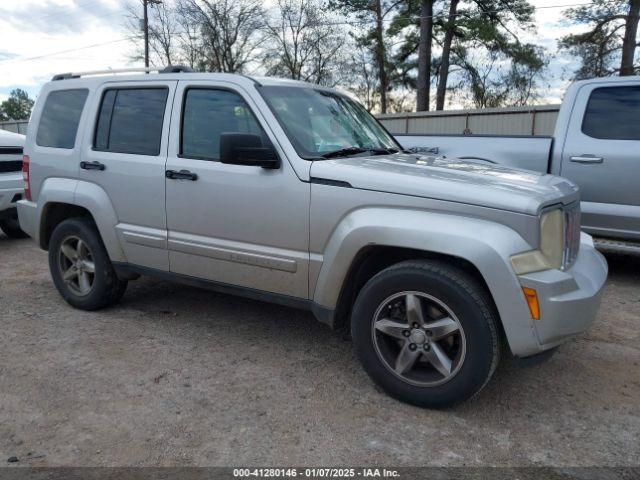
(10, 139)
(465, 181)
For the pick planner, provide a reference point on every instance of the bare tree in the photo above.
(303, 44)
(230, 31)
(361, 78)
(189, 38)
(163, 31)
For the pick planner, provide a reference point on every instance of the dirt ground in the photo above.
(175, 375)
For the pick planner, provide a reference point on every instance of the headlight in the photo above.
(551, 253)
(552, 237)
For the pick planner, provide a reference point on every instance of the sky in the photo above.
(39, 38)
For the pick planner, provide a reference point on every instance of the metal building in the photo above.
(533, 120)
(16, 126)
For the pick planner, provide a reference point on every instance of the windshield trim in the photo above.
(319, 88)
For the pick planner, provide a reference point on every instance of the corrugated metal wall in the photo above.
(16, 126)
(534, 120)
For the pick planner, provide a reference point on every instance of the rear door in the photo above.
(602, 155)
(125, 154)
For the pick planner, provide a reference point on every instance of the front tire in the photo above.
(80, 266)
(11, 226)
(426, 333)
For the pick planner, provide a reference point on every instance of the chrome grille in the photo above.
(571, 234)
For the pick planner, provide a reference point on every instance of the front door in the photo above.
(602, 155)
(238, 225)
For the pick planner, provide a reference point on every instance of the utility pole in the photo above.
(145, 27)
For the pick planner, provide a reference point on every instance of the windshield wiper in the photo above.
(383, 151)
(343, 152)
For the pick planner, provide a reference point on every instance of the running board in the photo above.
(616, 246)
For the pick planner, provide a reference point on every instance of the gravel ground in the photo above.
(175, 375)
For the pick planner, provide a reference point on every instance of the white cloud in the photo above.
(32, 32)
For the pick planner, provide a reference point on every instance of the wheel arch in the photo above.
(372, 259)
(54, 213)
(61, 199)
(480, 247)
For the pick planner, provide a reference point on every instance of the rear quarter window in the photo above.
(613, 113)
(60, 117)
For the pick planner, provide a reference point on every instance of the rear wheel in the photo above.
(11, 226)
(426, 333)
(80, 266)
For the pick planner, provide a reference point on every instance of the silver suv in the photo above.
(293, 193)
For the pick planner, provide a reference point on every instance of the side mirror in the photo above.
(247, 149)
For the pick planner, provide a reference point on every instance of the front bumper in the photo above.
(11, 190)
(569, 300)
(28, 218)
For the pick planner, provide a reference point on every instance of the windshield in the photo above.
(323, 123)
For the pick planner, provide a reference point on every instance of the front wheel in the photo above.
(426, 333)
(80, 266)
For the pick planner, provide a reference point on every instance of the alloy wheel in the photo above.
(418, 338)
(76, 264)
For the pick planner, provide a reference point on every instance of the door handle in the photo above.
(92, 166)
(587, 159)
(181, 175)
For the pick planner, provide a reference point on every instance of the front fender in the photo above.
(485, 244)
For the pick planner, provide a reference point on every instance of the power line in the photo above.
(13, 60)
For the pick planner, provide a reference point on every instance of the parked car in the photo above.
(11, 183)
(596, 144)
(293, 193)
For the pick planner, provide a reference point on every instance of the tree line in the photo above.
(395, 55)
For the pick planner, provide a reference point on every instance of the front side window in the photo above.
(207, 114)
(612, 113)
(60, 118)
(130, 121)
(319, 122)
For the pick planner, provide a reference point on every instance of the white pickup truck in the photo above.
(11, 183)
(596, 144)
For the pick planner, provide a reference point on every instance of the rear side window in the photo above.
(60, 118)
(613, 113)
(130, 121)
(207, 113)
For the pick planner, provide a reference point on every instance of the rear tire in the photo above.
(80, 266)
(426, 333)
(11, 226)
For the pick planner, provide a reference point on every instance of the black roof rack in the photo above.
(64, 76)
(177, 69)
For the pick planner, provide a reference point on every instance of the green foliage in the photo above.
(600, 46)
(17, 107)
(490, 66)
